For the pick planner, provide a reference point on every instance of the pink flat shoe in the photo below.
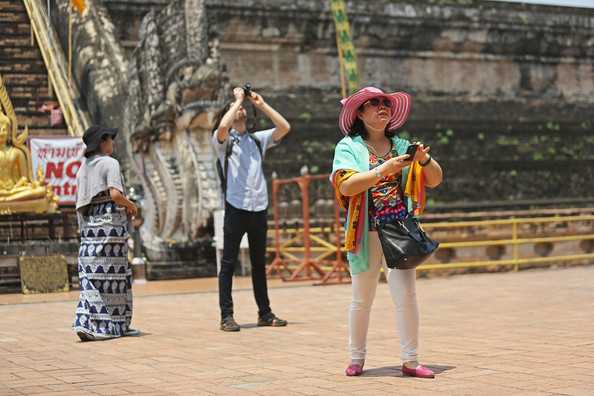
(354, 370)
(419, 372)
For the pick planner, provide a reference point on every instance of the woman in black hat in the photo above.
(105, 306)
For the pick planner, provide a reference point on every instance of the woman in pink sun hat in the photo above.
(376, 181)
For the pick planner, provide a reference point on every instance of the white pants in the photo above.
(402, 289)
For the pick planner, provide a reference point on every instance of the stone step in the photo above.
(29, 67)
(28, 117)
(20, 53)
(40, 123)
(31, 113)
(12, 28)
(44, 132)
(28, 92)
(27, 82)
(15, 17)
(12, 5)
(25, 79)
(33, 119)
(37, 92)
(31, 116)
(30, 104)
(16, 40)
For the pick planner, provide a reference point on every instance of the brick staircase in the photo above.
(25, 77)
(23, 70)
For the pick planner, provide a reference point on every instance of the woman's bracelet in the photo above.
(377, 172)
(426, 162)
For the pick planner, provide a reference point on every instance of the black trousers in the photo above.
(237, 223)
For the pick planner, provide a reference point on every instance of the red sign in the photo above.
(60, 160)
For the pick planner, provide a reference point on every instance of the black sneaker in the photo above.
(132, 332)
(271, 320)
(84, 337)
(229, 324)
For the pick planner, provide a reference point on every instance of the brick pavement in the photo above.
(526, 333)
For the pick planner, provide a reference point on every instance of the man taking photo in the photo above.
(240, 155)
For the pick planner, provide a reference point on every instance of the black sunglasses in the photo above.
(375, 102)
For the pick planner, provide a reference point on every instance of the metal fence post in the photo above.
(515, 244)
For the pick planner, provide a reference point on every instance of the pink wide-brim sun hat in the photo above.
(401, 106)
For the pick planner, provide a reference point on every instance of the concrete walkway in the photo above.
(526, 333)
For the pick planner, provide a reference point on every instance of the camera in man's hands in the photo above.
(247, 90)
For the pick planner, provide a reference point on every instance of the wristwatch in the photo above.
(426, 162)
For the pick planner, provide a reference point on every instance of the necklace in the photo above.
(372, 149)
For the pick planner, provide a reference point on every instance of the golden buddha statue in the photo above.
(18, 193)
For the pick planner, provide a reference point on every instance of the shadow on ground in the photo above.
(140, 334)
(255, 325)
(395, 371)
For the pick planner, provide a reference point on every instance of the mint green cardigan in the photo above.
(352, 153)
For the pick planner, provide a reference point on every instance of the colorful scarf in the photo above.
(415, 189)
(353, 231)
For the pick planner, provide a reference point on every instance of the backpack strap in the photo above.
(228, 151)
(258, 143)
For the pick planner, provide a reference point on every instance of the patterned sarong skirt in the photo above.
(105, 306)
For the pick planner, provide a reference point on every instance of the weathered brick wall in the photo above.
(23, 70)
(503, 92)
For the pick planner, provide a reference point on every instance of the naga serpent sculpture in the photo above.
(176, 83)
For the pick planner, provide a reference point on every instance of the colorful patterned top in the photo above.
(386, 202)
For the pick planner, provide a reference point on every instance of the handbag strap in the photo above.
(402, 196)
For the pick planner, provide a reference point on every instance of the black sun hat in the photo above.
(93, 135)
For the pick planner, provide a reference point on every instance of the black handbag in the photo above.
(404, 243)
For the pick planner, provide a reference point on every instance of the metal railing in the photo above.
(56, 65)
(308, 266)
(317, 253)
(514, 242)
